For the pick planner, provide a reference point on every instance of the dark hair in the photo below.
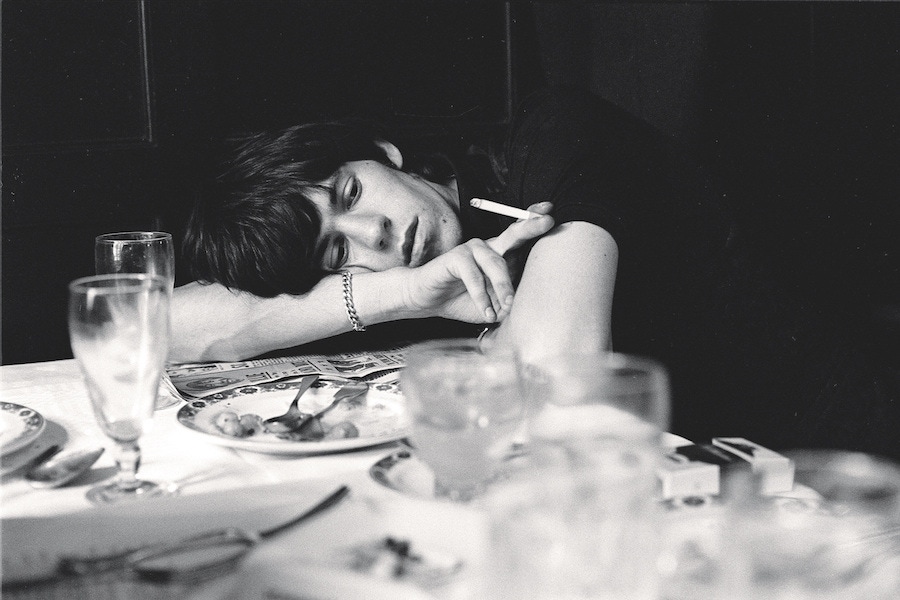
(256, 228)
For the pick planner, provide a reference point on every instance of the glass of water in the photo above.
(467, 407)
(582, 520)
(149, 252)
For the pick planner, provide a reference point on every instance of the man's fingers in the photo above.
(496, 271)
(467, 271)
(542, 208)
(485, 276)
(521, 232)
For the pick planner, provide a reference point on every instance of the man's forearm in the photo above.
(210, 322)
(564, 300)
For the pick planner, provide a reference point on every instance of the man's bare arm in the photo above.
(211, 322)
(564, 300)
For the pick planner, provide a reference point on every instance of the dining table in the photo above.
(388, 538)
(338, 554)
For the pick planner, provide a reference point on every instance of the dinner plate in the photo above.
(19, 426)
(379, 416)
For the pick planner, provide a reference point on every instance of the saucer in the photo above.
(19, 426)
(404, 472)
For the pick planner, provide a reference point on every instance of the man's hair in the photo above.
(256, 228)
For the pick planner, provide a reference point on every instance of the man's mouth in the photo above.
(409, 239)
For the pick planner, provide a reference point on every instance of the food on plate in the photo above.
(393, 558)
(229, 423)
(344, 429)
(245, 425)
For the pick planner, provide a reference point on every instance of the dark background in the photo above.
(113, 113)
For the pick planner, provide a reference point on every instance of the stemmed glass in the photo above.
(149, 252)
(119, 332)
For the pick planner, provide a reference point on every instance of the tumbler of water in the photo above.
(467, 406)
(836, 536)
(582, 520)
(148, 252)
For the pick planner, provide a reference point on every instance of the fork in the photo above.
(294, 415)
(347, 392)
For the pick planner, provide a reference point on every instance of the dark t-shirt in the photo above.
(745, 357)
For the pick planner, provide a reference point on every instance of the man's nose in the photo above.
(372, 231)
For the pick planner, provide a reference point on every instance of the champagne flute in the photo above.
(119, 332)
(149, 252)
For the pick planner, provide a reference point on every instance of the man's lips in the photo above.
(409, 239)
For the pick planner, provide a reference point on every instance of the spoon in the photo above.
(63, 469)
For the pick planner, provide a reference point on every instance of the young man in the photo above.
(631, 218)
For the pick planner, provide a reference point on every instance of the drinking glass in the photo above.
(149, 252)
(574, 534)
(840, 539)
(467, 406)
(582, 521)
(599, 402)
(119, 332)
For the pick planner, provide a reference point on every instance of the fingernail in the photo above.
(508, 301)
(490, 314)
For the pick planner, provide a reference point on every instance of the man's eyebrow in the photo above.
(331, 187)
(332, 194)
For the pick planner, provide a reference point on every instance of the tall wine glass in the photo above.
(119, 332)
(149, 252)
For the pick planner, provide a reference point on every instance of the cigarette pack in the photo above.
(775, 471)
(682, 477)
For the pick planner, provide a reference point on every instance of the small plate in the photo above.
(380, 416)
(404, 472)
(19, 426)
(53, 435)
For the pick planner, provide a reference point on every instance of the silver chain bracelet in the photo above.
(347, 278)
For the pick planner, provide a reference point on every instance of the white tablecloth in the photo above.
(218, 486)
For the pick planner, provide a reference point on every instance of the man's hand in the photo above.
(472, 282)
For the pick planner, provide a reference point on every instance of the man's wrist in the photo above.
(380, 297)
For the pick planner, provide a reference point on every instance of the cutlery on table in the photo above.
(34, 461)
(60, 470)
(288, 420)
(196, 558)
(348, 392)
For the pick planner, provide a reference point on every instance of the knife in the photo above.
(195, 558)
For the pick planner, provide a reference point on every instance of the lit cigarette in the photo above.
(502, 209)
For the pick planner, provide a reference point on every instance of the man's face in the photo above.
(375, 217)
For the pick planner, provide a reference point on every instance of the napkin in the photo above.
(32, 546)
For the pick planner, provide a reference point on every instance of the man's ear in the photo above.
(392, 152)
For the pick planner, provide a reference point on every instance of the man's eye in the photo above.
(351, 195)
(335, 255)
